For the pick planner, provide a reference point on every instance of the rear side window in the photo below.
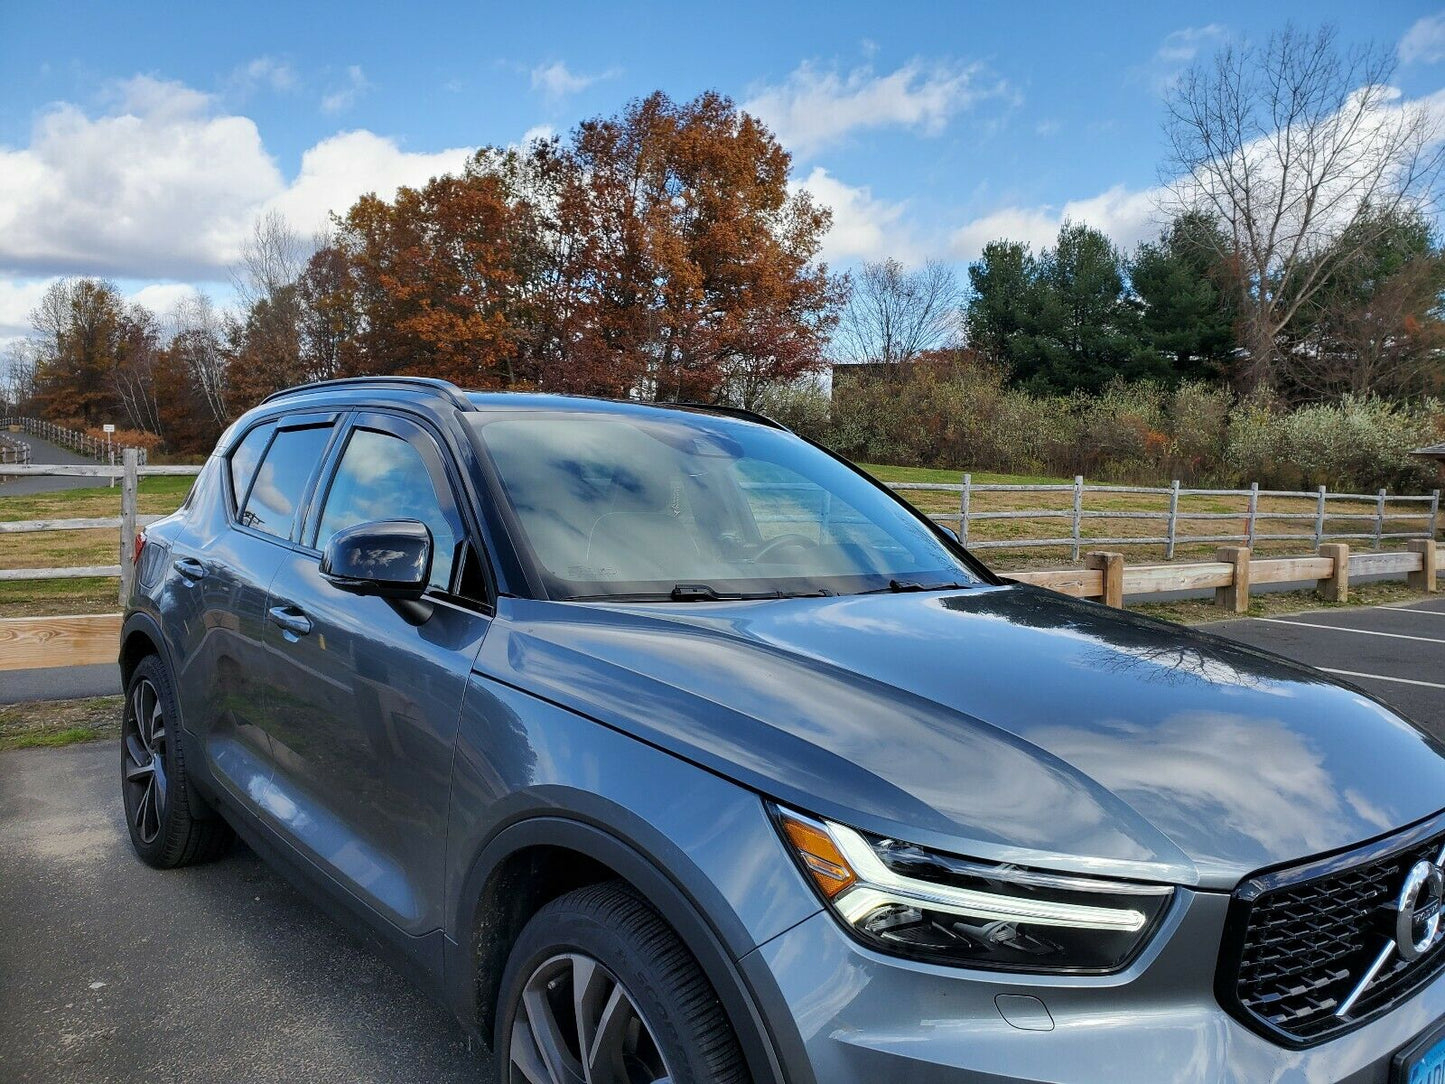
(282, 477)
(244, 460)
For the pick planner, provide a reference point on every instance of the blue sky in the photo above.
(138, 141)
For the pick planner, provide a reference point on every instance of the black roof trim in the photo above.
(729, 412)
(432, 385)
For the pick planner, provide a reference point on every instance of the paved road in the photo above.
(59, 683)
(111, 971)
(42, 451)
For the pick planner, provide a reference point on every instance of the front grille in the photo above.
(1299, 941)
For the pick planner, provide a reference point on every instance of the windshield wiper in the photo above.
(702, 592)
(899, 587)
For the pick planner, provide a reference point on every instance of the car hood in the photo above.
(1009, 723)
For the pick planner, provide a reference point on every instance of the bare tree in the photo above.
(272, 259)
(18, 374)
(197, 338)
(1291, 147)
(893, 314)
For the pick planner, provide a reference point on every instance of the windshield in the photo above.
(628, 506)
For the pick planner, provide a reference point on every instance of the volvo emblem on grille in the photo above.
(1415, 923)
(1417, 910)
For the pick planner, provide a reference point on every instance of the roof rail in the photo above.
(431, 384)
(730, 412)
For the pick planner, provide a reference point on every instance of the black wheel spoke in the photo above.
(140, 757)
(526, 1058)
(547, 1033)
(577, 1024)
(608, 1047)
(143, 766)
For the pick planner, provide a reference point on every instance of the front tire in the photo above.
(163, 827)
(600, 990)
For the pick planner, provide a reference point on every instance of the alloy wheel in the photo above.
(144, 738)
(577, 1024)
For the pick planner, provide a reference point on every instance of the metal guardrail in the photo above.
(74, 439)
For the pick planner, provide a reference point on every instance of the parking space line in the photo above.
(1381, 677)
(1346, 628)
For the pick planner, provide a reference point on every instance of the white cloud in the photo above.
(1125, 216)
(264, 72)
(343, 97)
(1177, 51)
(17, 299)
(338, 170)
(163, 298)
(556, 80)
(161, 184)
(817, 107)
(543, 132)
(864, 228)
(1424, 42)
(164, 186)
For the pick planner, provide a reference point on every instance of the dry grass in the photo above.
(53, 723)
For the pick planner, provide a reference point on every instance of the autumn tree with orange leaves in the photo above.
(659, 254)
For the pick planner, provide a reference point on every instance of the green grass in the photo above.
(50, 724)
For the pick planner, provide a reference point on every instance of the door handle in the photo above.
(291, 620)
(190, 569)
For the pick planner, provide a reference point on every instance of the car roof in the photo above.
(442, 392)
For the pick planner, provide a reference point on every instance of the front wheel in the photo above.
(164, 829)
(600, 990)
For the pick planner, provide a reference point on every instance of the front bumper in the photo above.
(860, 1017)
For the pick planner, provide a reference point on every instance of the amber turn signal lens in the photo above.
(830, 871)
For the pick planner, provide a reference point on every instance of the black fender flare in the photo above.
(761, 1044)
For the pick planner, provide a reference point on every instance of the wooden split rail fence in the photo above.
(31, 642)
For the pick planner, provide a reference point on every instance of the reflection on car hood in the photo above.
(1007, 722)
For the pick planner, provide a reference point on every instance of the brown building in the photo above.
(1435, 452)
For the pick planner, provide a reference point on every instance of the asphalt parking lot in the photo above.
(1396, 652)
(112, 971)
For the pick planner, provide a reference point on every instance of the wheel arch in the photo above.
(540, 857)
(140, 636)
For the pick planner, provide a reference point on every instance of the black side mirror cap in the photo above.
(387, 558)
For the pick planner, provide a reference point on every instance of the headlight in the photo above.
(914, 902)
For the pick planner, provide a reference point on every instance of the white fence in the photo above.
(13, 451)
(129, 520)
(1422, 508)
(74, 439)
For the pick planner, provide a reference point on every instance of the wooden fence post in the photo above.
(1173, 519)
(963, 508)
(1235, 597)
(1336, 587)
(1434, 513)
(128, 491)
(1112, 567)
(1320, 520)
(1379, 519)
(1424, 580)
(1253, 517)
(1078, 515)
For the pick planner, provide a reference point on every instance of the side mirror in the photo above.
(388, 558)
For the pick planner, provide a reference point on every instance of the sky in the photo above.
(140, 141)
